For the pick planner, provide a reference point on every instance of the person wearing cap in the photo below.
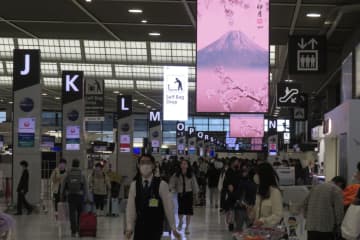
(22, 189)
(149, 201)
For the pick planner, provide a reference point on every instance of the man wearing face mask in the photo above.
(148, 203)
(56, 178)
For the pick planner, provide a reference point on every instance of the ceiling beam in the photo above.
(18, 28)
(105, 23)
(189, 13)
(84, 10)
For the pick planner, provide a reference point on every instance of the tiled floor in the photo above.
(207, 224)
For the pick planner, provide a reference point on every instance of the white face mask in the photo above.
(256, 179)
(145, 170)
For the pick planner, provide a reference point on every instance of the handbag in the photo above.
(350, 227)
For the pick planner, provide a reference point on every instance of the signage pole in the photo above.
(192, 141)
(27, 108)
(155, 134)
(73, 141)
(180, 139)
(126, 165)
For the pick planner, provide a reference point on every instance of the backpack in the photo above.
(75, 182)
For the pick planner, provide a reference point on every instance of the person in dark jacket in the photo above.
(213, 176)
(22, 189)
(245, 197)
(231, 183)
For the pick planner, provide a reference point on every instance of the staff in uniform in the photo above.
(149, 202)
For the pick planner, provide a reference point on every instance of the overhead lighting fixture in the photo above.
(1, 100)
(154, 34)
(11, 102)
(88, 0)
(289, 80)
(44, 94)
(149, 107)
(144, 21)
(57, 98)
(313, 15)
(141, 103)
(120, 94)
(135, 100)
(135, 11)
(153, 109)
(116, 92)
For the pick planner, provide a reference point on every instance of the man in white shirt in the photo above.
(148, 203)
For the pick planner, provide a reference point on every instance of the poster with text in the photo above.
(125, 143)
(26, 132)
(246, 125)
(232, 56)
(175, 93)
(73, 138)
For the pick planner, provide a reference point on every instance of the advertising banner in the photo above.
(232, 56)
(246, 125)
(175, 104)
(94, 100)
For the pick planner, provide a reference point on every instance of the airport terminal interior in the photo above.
(180, 119)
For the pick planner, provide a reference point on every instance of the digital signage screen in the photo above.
(26, 132)
(232, 56)
(47, 141)
(247, 125)
(72, 138)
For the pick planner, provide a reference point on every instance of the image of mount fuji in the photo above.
(233, 50)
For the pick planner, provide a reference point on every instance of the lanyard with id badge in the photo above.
(153, 202)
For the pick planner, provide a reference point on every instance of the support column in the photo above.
(126, 164)
(73, 128)
(155, 134)
(27, 108)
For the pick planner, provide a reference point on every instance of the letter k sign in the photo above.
(70, 83)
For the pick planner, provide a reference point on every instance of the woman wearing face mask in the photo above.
(148, 203)
(184, 183)
(99, 186)
(268, 210)
(56, 178)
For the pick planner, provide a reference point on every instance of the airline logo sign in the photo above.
(26, 68)
(72, 86)
(124, 106)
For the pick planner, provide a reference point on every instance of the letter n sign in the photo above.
(72, 86)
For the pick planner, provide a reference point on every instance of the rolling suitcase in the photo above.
(113, 207)
(88, 225)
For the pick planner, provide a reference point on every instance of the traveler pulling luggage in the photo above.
(88, 225)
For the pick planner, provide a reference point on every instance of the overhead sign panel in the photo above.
(307, 54)
(72, 86)
(175, 93)
(246, 125)
(232, 56)
(94, 100)
(288, 94)
(26, 70)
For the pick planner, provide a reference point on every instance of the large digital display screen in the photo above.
(232, 56)
(73, 138)
(247, 125)
(175, 104)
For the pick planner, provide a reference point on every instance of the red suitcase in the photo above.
(88, 225)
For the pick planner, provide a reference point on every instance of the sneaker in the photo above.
(187, 232)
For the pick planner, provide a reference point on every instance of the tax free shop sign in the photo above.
(175, 104)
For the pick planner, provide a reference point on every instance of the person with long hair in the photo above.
(268, 205)
(184, 183)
